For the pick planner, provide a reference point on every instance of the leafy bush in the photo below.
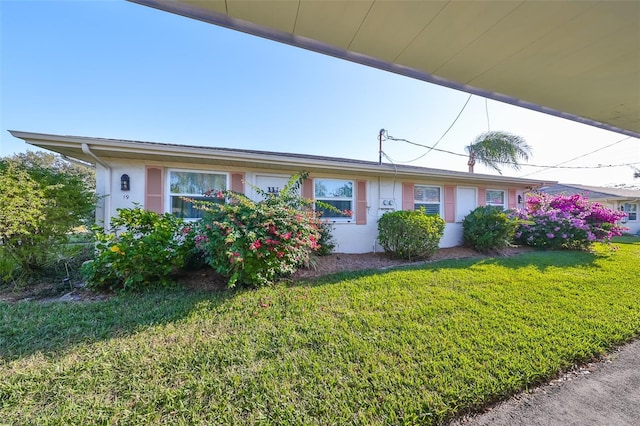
(142, 249)
(566, 222)
(255, 242)
(39, 207)
(326, 244)
(410, 234)
(488, 228)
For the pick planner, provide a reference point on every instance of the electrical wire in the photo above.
(581, 156)
(441, 137)
(486, 110)
(599, 166)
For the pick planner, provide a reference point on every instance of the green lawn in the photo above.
(406, 346)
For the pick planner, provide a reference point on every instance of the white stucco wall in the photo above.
(382, 195)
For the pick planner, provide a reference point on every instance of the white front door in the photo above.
(466, 200)
(271, 183)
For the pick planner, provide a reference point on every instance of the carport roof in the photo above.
(578, 60)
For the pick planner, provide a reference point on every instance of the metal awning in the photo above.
(578, 60)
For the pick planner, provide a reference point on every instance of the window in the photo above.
(192, 185)
(632, 211)
(335, 192)
(429, 197)
(495, 197)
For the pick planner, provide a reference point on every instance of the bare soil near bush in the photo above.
(207, 280)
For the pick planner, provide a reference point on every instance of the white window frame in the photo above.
(170, 195)
(629, 211)
(352, 199)
(418, 203)
(504, 198)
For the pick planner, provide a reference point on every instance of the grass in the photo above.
(407, 346)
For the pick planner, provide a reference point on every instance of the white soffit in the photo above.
(578, 60)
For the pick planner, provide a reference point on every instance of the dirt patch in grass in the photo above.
(206, 279)
(340, 262)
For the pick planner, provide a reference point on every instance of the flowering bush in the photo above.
(254, 242)
(142, 248)
(566, 222)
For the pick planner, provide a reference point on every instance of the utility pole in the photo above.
(380, 148)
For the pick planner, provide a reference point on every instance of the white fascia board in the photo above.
(256, 158)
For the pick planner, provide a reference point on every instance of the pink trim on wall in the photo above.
(482, 196)
(361, 202)
(407, 196)
(237, 182)
(512, 198)
(449, 204)
(307, 189)
(154, 189)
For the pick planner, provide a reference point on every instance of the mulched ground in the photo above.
(207, 280)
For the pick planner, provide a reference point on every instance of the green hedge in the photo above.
(410, 234)
(488, 228)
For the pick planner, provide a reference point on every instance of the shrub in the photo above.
(410, 234)
(488, 228)
(142, 249)
(326, 244)
(255, 242)
(566, 222)
(39, 207)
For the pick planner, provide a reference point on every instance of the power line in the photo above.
(599, 166)
(581, 156)
(486, 110)
(441, 137)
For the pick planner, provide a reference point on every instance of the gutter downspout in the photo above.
(107, 202)
(76, 161)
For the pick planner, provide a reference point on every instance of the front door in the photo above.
(272, 184)
(466, 200)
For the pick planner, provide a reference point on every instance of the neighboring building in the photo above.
(626, 200)
(157, 176)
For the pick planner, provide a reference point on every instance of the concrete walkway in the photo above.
(606, 393)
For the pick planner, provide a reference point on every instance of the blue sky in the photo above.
(115, 69)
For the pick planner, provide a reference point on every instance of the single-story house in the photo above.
(157, 176)
(623, 199)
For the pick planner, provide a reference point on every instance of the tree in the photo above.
(54, 162)
(40, 203)
(495, 148)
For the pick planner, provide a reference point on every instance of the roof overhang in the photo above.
(579, 60)
(87, 149)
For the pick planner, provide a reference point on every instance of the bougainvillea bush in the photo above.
(566, 222)
(253, 242)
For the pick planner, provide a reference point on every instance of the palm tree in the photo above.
(495, 148)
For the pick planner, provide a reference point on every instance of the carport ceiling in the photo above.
(575, 59)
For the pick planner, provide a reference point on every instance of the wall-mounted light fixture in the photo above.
(519, 199)
(125, 185)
